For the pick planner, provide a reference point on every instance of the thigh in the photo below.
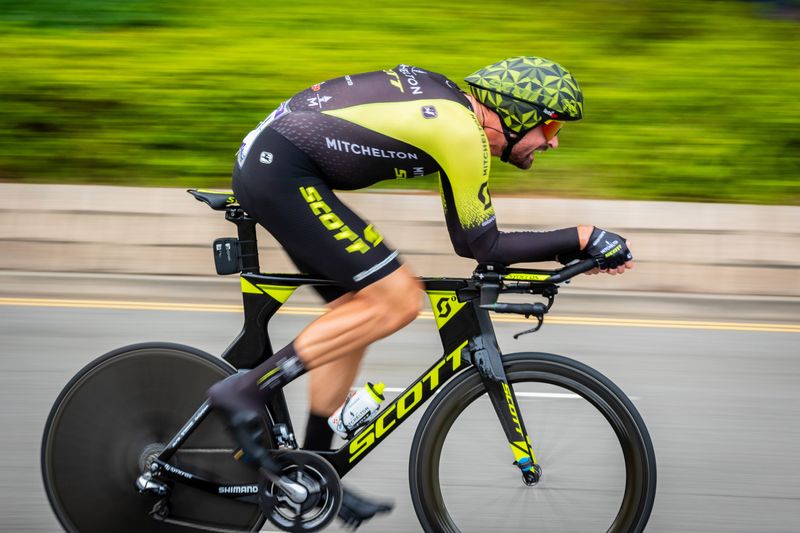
(329, 293)
(289, 197)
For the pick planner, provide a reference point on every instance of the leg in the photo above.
(318, 230)
(371, 314)
(329, 384)
(328, 387)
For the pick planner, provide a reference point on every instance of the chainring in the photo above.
(321, 481)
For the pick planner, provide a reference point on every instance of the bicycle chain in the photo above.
(157, 513)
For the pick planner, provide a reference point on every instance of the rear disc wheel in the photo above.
(114, 417)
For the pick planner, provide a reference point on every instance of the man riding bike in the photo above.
(350, 132)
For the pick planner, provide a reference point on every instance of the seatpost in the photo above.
(248, 241)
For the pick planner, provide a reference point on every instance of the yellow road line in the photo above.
(316, 311)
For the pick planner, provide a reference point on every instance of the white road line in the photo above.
(546, 395)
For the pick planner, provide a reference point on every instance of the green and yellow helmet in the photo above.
(527, 91)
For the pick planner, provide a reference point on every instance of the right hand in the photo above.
(610, 250)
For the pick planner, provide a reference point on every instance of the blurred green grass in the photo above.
(685, 100)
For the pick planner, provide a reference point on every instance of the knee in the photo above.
(408, 303)
(397, 298)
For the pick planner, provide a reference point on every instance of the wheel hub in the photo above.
(148, 456)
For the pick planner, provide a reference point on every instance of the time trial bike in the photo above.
(510, 441)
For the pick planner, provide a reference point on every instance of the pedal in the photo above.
(355, 509)
(249, 430)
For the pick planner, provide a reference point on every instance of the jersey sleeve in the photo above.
(471, 219)
(487, 244)
(464, 157)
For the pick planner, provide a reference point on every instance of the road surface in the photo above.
(722, 403)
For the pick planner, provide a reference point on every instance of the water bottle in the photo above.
(358, 409)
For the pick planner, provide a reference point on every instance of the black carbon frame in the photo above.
(467, 337)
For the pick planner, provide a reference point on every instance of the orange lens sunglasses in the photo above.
(551, 128)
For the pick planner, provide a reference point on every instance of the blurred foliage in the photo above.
(685, 100)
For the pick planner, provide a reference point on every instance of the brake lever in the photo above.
(550, 294)
(539, 319)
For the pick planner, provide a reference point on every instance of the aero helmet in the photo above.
(526, 92)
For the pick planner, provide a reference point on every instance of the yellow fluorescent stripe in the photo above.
(248, 287)
(527, 277)
(315, 311)
(279, 292)
(266, 376)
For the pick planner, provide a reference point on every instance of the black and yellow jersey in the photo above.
(403, 123)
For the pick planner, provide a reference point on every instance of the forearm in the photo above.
(526, 246)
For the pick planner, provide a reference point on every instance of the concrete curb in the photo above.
(713, 248)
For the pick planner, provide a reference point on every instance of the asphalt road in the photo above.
(722, 406)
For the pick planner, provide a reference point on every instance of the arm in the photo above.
(486, 243)
(523, 246)
(464, 156)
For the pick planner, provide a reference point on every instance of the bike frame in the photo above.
(467, 336)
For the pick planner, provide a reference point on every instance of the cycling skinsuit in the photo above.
(350, 132)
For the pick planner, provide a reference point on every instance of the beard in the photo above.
(522, 161)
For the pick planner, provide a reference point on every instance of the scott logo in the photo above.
(443, 306)
(406, 404)
(394, 79)
(483, 195)
(512, 409)
(332, 222)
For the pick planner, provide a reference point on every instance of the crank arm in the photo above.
(295, 491)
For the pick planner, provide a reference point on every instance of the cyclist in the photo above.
(400, 123)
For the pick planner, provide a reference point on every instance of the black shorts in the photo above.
(282, 188)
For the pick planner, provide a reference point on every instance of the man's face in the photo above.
(534, 141)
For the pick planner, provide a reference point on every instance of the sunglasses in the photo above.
(551, 128)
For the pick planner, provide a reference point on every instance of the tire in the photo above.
(602, 482)
(115, 413)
